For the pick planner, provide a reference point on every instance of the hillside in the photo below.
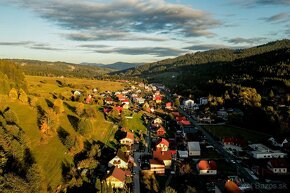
(115, 66)
(43, 68)
(10, 76)
(43, 129)
(255, 80)
(191, 72)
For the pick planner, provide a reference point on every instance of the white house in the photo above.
(193, 148)
(189, 103)
(203, 101)
(278, 166)
(260, 151)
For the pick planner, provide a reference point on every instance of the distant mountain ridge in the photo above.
(45, 68)
(117, 65)
(256, 67)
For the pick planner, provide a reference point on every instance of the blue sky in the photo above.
(99, 31)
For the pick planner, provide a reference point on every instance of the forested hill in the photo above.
(10, 77)
(250, 67)
(43, 68)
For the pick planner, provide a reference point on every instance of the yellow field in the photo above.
(45, 86)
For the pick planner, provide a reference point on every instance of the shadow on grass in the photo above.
(49, 103)
(72, 108)
(73, 121)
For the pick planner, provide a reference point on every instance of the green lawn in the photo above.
(230, 131)
(43, 86)
(50, 154)
(135, 123)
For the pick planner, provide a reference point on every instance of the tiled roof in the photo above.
(162, 155)
(122, 156)
(156, 162)
(118, 174)
(130, 135)
(207, 165)
(163, 141)
(232, 187)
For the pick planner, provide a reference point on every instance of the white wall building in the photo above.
(193, 148)
(260, 151)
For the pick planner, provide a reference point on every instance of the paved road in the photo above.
(136, 169)
(137, 155)
(242, 171)
(219, 148)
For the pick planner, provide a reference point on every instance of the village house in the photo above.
(205, 167)
(157, 121)
(278, 166)
(109, 101)
(234, 141)
(162, 144)
(121, 160)
(260, 151)
(164, 156)
(193, 148)
(157, 166)
(189, 103)
(222, 114)
(117, 177)
(232, 187)
(160, 131)
(203, 101)
(157, 98)
(128, 140)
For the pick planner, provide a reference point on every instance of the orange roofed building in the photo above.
(116, 177)
(232, 187)
(162, 145)
(128, 140)
(207, 167)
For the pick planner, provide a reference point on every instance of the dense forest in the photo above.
(255, 80)
(10, 77)
(43, 68)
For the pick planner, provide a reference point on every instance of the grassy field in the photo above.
(44, 86)
(50, 154)
(230, 131)
(135, 123)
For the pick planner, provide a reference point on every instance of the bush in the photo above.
(58, 106)
(23, 96)
(85, 126)
(10, 116)
(13, 94)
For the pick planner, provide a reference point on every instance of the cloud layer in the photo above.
(154, 51)
(123, 16)
(280, 17)
(31, 45)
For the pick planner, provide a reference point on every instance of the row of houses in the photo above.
(120, 165)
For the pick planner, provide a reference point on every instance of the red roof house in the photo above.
(184, 123)
(207, 167)
(160, 131)
(164, 156)
(116, 177)
(162, 144)
(232, 187)
(128, 140)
